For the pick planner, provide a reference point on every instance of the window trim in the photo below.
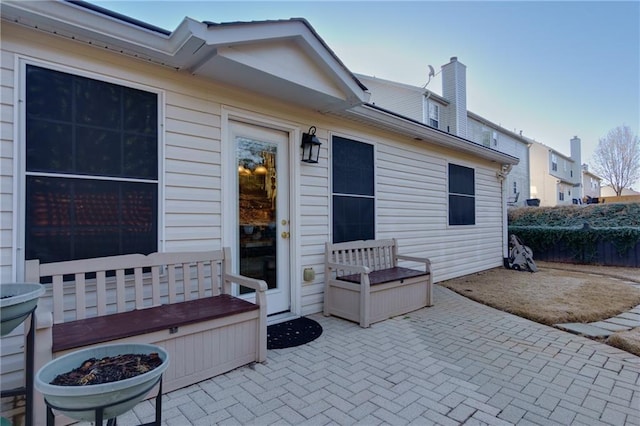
(474, 196)
(436, 107)
(19, 186)
(361, 139)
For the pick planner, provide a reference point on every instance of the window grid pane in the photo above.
(461, 195)
(353, 190)
(88, 128)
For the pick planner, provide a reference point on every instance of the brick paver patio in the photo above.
(458, 362)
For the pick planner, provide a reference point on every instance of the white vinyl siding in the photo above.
(406, 101)
(410, 176)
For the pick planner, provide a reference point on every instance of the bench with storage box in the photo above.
(365, 284)
(180, 301)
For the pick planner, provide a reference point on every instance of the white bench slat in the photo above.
(120, 291)
(81, 308)
(101, 292)
(155, 278)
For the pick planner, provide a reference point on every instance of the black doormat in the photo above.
(292, 333)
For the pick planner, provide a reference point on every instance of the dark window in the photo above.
(462, 200)
(91, 168)
(353, 190)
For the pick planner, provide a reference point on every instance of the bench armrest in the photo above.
(252, 283)
(356, 269)
(424, 260)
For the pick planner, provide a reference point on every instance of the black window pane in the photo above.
(140, 112)
(462, 210)
(101, 129)
(98, 103)
(98, 152)
(353, 219)
(80, 218)
(353, 168)
(461, 180)
(140, 157)
(49, 147)
(49, 94)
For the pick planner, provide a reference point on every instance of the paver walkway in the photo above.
(458, 362)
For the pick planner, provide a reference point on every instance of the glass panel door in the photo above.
(257, 191)
(263, 211)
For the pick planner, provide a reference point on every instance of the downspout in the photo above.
(502, 177)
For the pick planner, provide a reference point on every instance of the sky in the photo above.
(550, 69)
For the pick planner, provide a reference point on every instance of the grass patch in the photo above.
(549, 296)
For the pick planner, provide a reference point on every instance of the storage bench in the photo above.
(181, 301)
(363, 282)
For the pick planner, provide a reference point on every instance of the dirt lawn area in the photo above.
(559, 293)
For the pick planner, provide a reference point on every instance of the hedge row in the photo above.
(582, 244)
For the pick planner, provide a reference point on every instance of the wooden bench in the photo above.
(180, 301)
(363, 282)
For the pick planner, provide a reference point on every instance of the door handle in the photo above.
(285, 234)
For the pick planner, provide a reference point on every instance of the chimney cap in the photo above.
(454, 59)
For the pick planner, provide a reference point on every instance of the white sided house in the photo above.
(449, 113)
(119, 137)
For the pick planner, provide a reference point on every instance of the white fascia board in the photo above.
(427, 134)
(67, 17)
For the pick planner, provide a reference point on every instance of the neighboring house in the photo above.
(608, 191)
(556, 179)
(121, 137)
(591, 184)
(449, 113)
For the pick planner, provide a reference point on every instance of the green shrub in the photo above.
(578, 229)
(596, 215)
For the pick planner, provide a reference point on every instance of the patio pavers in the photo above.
(458, 362)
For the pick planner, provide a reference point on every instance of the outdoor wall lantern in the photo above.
(310, 146)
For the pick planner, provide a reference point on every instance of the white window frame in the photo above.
(433, 114)
(19, 198)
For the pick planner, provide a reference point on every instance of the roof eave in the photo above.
(418, 131)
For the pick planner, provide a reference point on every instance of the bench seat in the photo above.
(382, 276)
(89, 331)
(365, 284)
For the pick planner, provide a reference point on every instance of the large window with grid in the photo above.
(462, 195)
(91, 177)
(353, 190)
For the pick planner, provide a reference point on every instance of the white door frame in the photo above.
(228, 166)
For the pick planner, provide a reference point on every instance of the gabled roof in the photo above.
(238, 54)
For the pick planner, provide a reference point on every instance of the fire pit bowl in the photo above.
(17, 300)
(81, 402)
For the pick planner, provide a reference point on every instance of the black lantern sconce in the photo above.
(310, 146)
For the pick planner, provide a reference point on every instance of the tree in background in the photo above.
(617, 158)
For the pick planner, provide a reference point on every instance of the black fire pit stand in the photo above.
(27, 389)
(100, 409)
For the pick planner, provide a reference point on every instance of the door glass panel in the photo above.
(257, 191)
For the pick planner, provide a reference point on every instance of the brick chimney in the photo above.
(454, 90)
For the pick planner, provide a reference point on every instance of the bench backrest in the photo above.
(374, 254)
(85, 288)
